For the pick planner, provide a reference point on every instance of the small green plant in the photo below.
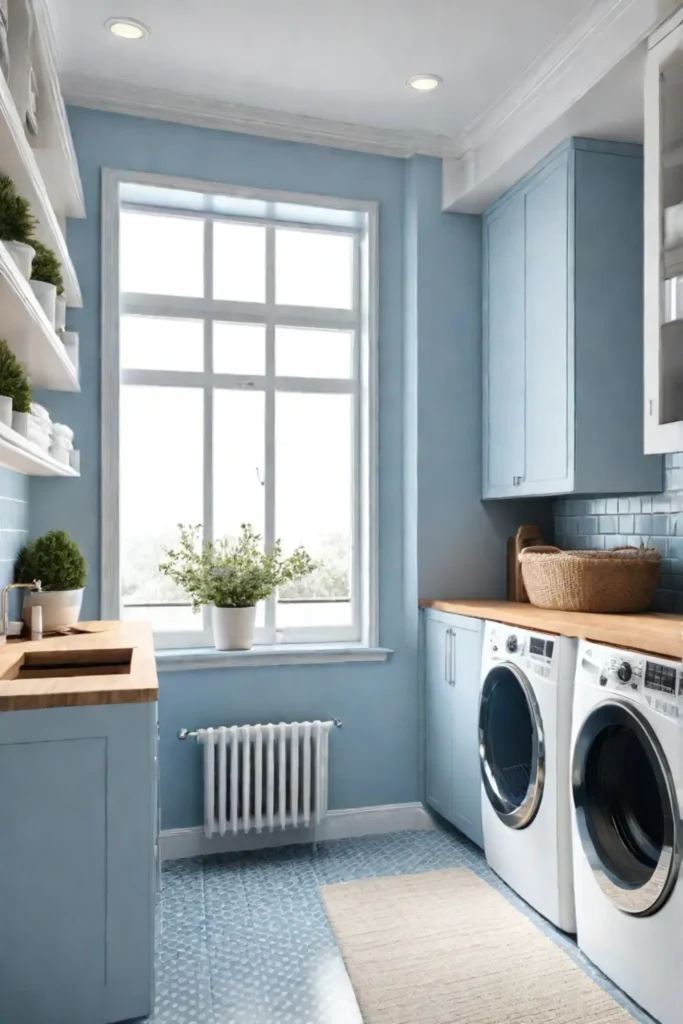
(17, 223)
(46, 266)
(231, 573)
(54, 559)
(13, 379)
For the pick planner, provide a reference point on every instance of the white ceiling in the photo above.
(346, 60)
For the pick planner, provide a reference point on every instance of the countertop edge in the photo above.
(656, 633)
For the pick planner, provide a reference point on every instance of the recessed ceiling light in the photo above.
(424, 83)
(127, 28)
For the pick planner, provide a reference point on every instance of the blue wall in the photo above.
(375, 758)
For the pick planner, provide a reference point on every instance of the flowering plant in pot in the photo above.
(15, 391)
(232, 576)
(17, 225)
(46, 280)
(57, 561)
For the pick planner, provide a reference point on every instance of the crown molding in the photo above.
(512, 135)
(203, 112)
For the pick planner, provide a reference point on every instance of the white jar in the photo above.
(60, 313)
(20, 423)
(22, 254)
(70, 342)
(6, 410)
(46, 295)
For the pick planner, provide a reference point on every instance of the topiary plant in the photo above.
(46, 266)
(13, 379)
(54, 559)
(17, 223)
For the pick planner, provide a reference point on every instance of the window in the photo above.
(238, 380)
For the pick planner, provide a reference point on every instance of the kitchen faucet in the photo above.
(36, 585)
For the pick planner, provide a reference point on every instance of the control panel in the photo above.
(653, 682)
(534, 652)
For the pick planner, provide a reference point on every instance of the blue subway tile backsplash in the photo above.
(657, 521)
(13, 521)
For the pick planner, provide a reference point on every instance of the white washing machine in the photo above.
(524, 739)
(627, 789)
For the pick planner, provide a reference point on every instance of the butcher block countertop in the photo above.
(103, 663)
(650, 632)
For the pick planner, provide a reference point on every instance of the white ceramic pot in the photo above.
(233, 628)
(61, 608)
(22, 254)
(60, 313)
(6, 410)
(20, 423)
(70, 342)
(47, 298)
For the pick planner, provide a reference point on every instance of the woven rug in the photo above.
(445, 947)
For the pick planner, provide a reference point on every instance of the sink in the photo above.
(52, 664)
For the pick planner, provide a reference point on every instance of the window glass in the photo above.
(239, 348)
(239, 262)
(161, 343)
(313, 268)
(161, 255)
(305, 352)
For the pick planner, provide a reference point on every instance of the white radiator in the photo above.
(263, 776)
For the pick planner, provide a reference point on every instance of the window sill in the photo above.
(183, 658)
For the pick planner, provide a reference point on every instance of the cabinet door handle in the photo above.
(446, 660)
(452, 675)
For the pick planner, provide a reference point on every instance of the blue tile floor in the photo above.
(244, 938)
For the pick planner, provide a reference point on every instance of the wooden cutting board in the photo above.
(524, 538)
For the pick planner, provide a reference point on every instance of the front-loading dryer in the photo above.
(524, 737)
(627, 789)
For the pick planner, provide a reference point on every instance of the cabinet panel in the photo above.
(547, 364)
(77, 840)
(504, 347)
(467, 777)
(438, 718)
(453, 647)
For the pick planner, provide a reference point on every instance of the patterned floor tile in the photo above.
(244, 938)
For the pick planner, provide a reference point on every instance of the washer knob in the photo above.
(624, 672)
(511, 644)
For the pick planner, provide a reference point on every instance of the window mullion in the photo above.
(269, 538)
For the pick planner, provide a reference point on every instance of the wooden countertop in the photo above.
(107, 663)
(650, 632)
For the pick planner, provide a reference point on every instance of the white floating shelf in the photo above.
(30, 334)
(26, 457)
(18, 160)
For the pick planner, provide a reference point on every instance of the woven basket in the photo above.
(623, 580)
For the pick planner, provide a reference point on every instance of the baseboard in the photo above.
(177, 843)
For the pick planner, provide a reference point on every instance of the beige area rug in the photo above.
(445, 947)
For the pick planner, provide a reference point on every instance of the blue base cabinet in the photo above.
(563, 329)
(78, 879)
(452, 673)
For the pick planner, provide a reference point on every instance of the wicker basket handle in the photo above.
(540, 549)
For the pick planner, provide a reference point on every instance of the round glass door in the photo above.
(626, 808)
(511, 746)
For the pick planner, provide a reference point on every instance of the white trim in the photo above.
(508, 140)
(110, 582)
(363, 318)
(180, 660)
(206, 112)
(178, 843)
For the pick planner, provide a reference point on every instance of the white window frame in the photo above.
(362, 319)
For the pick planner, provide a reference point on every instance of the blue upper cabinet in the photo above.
(563, 320)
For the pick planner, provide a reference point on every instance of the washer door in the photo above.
(626, 808)
(511, 745)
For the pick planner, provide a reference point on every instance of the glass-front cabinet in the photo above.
(663, 267)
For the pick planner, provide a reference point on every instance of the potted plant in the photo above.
(17, 225)
(15, 391)
(57, 561)
(46, 280)
(232, 576)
